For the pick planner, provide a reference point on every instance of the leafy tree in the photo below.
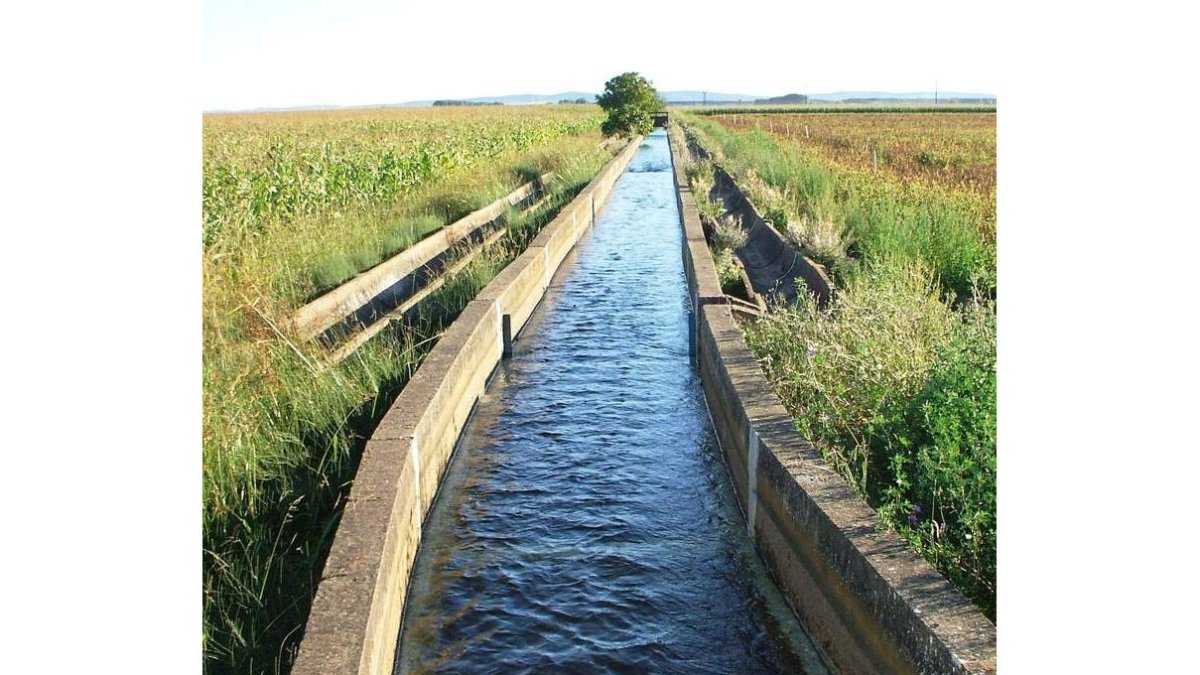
(631, 102)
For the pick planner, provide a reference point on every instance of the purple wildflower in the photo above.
(914, 515)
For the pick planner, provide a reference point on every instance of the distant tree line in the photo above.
(786, 98)
(825, 107)
(703, 103)
(801, 99)
(577, 100)
(941, 100)
(453, 102)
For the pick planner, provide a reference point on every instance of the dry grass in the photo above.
(949, 149)
(895, 382)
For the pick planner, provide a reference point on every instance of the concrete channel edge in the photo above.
(354, 623)
(868, 600)
(327, 310)
(764, 236)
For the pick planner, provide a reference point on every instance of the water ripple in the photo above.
(586, 524)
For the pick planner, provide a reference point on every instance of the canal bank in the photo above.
(587, 520)
(866, 597)
(355, 617)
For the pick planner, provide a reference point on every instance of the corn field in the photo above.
(260, 170)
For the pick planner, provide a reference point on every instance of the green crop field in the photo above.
(294, 204)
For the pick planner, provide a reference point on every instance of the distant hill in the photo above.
(786, 98)
(711, 98)
(844, 96)
(705, 96)
(686, 96)
(533, 99)
(297, 108)
(682, 96)
(451, 102)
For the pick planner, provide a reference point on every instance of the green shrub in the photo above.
(727, 271)
(942, 495)
(630, 101)
(897, 389)
(895, 385)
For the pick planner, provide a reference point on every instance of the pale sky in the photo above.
(275, 53)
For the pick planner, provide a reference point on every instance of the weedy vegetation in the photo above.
(293, 205)
(727, 237)
(895, 381)
(841, 203)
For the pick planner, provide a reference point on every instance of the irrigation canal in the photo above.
(587, 522)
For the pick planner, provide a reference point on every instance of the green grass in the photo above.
(282, 436)
(841, 217)
(895, 381)
(898, 390)
(338, 267)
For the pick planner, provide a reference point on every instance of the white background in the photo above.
(100, 189)
(272, 53)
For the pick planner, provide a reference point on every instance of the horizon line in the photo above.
(425, 102)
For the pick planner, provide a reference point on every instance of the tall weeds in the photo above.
(282, 436)
(895, 382)
(727, 237)
(898, 390)
(841, 215)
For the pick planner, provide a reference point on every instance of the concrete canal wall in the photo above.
(334, 306)
(865, 597)
(869, 601)
(354, 623)
(776, 259)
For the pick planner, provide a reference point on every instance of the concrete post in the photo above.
(506, 329)
(694, 328)
(751, 479)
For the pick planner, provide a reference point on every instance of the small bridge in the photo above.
(660, 119)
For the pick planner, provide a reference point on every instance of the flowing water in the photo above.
(586, 522)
